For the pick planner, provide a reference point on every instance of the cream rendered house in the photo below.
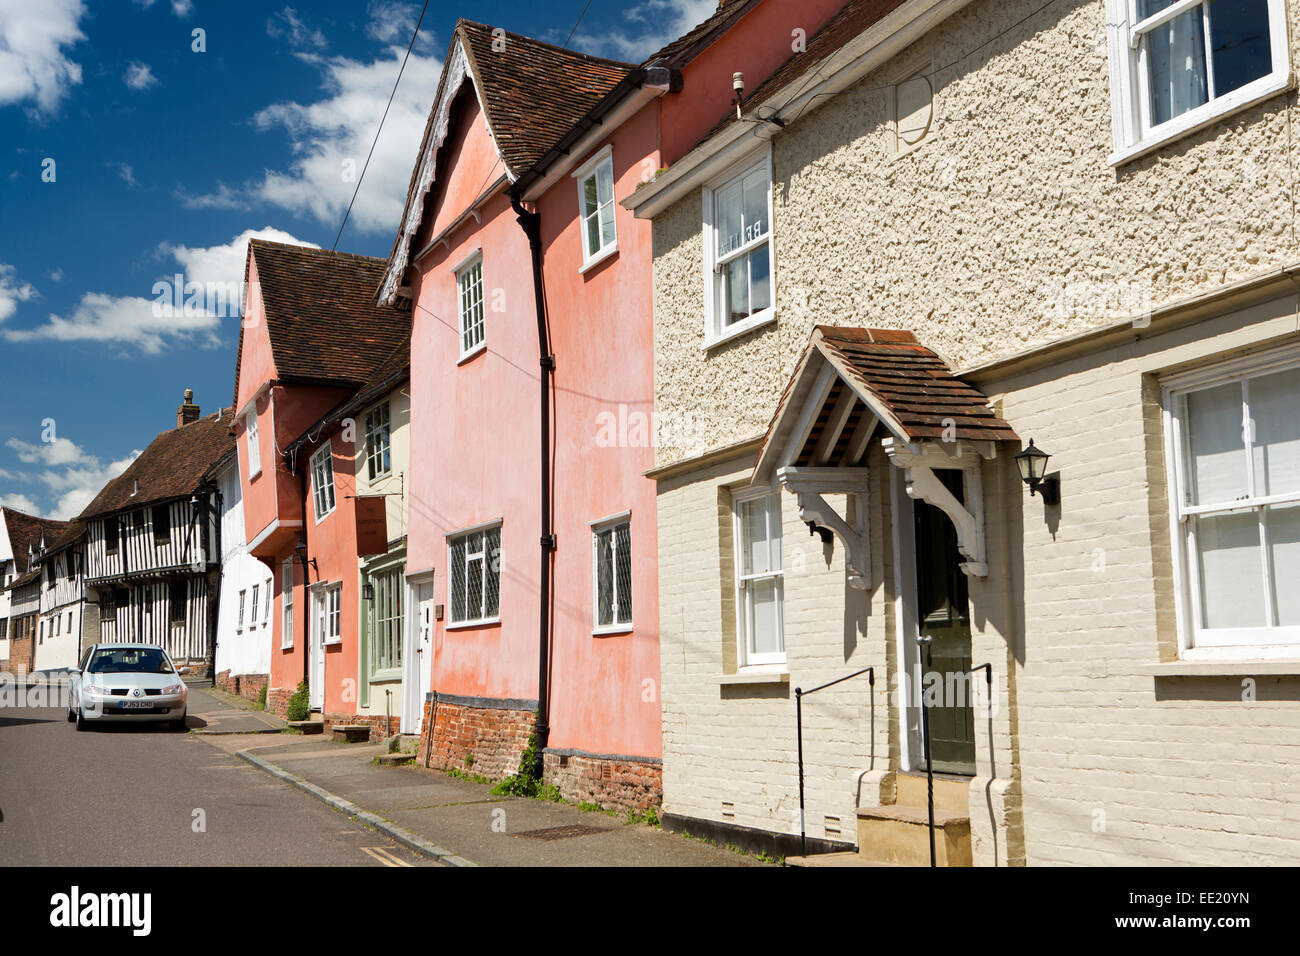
(1081, 215)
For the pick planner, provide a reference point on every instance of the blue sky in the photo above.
(128, 156)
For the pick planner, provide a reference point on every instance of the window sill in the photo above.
(253, 476)
(1221, 668)
(611, 629)
(473, 353)
(755, 677)
(598, 258)
(386, 676)
(1195, 121)
(465, 625)
(757, 320)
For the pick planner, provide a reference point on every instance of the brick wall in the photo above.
(610, 781)
(20, 655)
(248, 686)
(277, 700)
(495, 737)
(376, 722)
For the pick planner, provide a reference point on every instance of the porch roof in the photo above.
(850, 379)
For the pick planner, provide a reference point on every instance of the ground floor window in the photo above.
(1235, 477)
(386, 620)
(760, 613)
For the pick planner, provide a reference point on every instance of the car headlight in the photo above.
(99, 689)
(173, 688)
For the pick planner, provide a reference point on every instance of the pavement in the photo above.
(463, 820)
(212, 711)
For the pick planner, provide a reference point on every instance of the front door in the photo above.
(316, 652)
(417, 655)
(943, 616)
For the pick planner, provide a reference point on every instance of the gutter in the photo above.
(531, 223)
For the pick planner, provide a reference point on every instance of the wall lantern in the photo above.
(1032, 462)
(300, 549)
(368, 591)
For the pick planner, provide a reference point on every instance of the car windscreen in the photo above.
(131, 660)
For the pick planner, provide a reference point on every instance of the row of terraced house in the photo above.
(697, 389)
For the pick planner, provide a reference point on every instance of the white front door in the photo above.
(417, 655)
(316, 650)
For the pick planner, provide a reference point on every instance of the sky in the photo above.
(141, 140)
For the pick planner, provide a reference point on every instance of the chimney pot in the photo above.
(188, 411)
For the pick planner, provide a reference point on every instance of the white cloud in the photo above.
(289, 25)
(182, 8)
(60, 451)
(127, 173)
(56, 275)
(20, 503)
(331, 138)
(223, 198)
(224, 263)
(34, 63)
(77, 487)
(651, 24)
(12, 292)
(393, 21)
(139, 76)
(141, 323)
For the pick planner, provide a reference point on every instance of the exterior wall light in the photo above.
(368, 591)
(1032, 463)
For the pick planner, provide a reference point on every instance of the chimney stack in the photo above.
(187, 412)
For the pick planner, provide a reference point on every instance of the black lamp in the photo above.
(368, 591)
(300, 549)
(1032, 462)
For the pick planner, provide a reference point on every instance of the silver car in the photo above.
(132, 682)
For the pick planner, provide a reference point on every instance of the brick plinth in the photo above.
(277, 700)
(248, 686)
(613, 782)
(376, 722)
(470, 733)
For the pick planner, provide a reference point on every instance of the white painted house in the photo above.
(243, 653)
(61, 563)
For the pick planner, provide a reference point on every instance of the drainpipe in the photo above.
(531, 223)
(306, 610)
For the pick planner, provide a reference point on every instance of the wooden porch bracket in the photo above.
(809, 485)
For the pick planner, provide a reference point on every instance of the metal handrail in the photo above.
(799, 694)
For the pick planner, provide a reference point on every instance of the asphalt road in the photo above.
(135, 795)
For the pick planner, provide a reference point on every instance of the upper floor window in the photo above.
(254, 451)
(1178, 64)
(286, 599)
(162, 524)
(378, 442)
(596, 205)
(612, 543)
(760, 585)
(475, 571)
(239, 621)
(322, 481)
(110, 535)
(469, 285)
(738, 252)
(266, 602)
(1235, 479)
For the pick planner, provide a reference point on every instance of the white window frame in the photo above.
(320, 462)
(333, 608)
(739, 498)
(714, 333)
(610, 524)
(483, 556)
(592, 257)
(286, 601)
(466, 269)
(256, 592)
(253, 449)
(1130, 101)
(1194, 642)
(266, 604)
(374, 453)
(239, 621)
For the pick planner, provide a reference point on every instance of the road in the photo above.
(140, 795)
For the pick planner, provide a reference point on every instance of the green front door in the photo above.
(943, 615)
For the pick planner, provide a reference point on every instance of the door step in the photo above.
(900, 836)
(307, 726)
(951, 792)
(351, 733)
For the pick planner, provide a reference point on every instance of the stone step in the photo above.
(308, 726)
(351, 733)
(395, 760)
(950, 792)
(900, 835)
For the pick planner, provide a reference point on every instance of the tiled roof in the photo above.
(66, 538)
(689, 44)
(913, 383)
(392, 372)
(173, 466)
(854, 18)
(321, 315)
(27, 529)
(533, 92)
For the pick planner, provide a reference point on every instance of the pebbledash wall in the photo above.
(1005, 229)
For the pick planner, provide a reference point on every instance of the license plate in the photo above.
(137, 704)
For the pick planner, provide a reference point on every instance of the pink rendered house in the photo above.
(532, 526)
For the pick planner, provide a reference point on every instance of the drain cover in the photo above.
(561, 833)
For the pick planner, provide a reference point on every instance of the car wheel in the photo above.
(178, 725)
(81, 721)
(71, 715)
